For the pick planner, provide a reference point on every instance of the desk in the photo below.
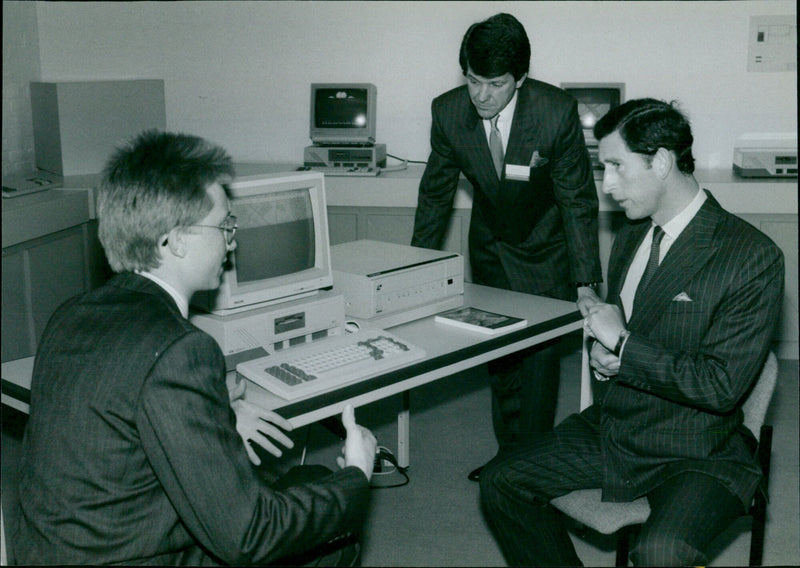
(449, 350)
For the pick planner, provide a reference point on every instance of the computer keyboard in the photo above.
(328, 363)
(345, 171)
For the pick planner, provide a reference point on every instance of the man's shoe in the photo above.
(475, 474)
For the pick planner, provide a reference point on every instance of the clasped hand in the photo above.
(604, 322)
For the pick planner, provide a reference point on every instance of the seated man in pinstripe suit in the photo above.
(694, 297)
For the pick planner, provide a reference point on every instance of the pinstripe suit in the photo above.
(674, 410)
(131, 453)
(537, 236)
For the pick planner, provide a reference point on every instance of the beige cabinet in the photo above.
(50, 253)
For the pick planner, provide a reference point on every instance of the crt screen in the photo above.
(594, 103)
(591, 112)
(340, 108)
(275, 235)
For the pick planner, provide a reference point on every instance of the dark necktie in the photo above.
(652, 264)
(496, 146)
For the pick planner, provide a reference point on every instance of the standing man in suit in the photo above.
(694, 297)
(131, 452)
(533, 228)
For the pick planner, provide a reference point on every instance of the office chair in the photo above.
(625, 519)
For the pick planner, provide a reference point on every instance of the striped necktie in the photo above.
(652, 264)
(496, 146)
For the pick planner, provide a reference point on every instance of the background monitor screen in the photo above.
(343, 113)
(282, 247)
(340, 108)
(594, 101)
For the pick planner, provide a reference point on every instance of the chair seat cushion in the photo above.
(585, 506)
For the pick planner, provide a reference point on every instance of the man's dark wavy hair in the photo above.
(495, 47)
(649, 124)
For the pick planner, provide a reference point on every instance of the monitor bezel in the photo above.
(231, 296)
(326, 136)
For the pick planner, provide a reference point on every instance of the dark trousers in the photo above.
(524, 394)
(525, 384)
(687, 511)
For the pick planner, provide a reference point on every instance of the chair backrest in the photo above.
(3, 555)
(755, 407)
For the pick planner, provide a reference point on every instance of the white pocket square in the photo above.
(682, 297)
(537, 160)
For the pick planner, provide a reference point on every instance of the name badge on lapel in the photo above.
(518, 173)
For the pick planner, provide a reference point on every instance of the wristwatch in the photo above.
(592, 285)
(623, 335)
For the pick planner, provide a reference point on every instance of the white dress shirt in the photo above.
(504, 118)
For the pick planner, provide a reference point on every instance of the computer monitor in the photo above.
(343, 113)
(594, 101)
(282, 251)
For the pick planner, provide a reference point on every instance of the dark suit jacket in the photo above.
(131, 454)
(542, 233)
(688, 365)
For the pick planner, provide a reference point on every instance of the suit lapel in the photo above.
(687, 255)
(476, 147)
(525, 123)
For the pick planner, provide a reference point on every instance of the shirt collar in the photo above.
(675, 226)
(507, 114)
(183, 303)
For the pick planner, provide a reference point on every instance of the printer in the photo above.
(766, 156)
(386, 284)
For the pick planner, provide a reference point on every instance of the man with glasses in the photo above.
(131, 453)
(228, 227)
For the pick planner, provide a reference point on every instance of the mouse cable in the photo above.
(404, 160)
(402, 166)
(385, 454)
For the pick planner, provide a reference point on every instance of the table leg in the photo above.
(403, 418)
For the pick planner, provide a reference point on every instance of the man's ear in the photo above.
(521, 80)
(663, 162)
(176, 242)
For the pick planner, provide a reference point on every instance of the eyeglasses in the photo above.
(228, 227)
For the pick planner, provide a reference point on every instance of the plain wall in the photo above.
(239, 72)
